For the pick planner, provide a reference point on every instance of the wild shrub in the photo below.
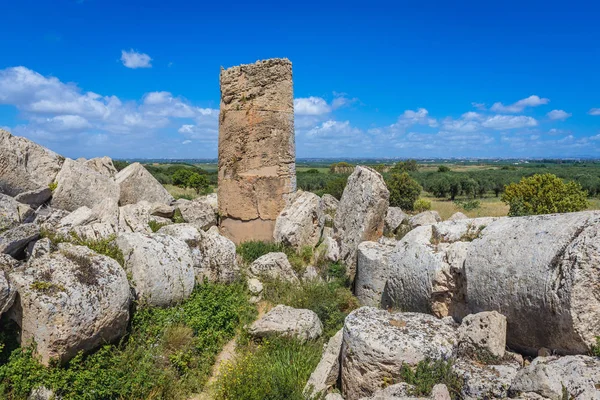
(274, 369)
(422, 205)
(168, 353)
(105, 247)
(404, 191)
(251, 250)
(468, 205)
(544, 194)
(155, 225)
(429, 373)
(331, 301)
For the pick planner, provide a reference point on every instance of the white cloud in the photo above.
(503, 122)
(418, 117)
(186, 142)
(594, 111)
(311, 106)
(519, 106)
(133, 59)
(479, 106)
(558, 115)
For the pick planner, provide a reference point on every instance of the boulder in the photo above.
(78, 185)
(214, 255)
(425, 218)
(69, 301)
(274, 266)
(328, 205)
(558, 378)
(160, 267)
(40, 248)
(334, 396)
(301, 221)
(541, 272)
(393, 219)
(25, 165)
(427, 268)
(137, 217)
(483, 332)
(327, 372)
(372, 272)
(42, 393)
(198, 212)
(15, 240)
(402, 391)
(457, 216)
(289, 322)
(361, 213)
(162, 210)
(34, 198)
(255, 287)
(138, 184)
(7, 291)
(13, 213)
(48, 218)
(485, 381)
(377, 344)
(211, 199)
(103, 165)
(328, 250)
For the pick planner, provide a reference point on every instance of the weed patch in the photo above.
(429, 373)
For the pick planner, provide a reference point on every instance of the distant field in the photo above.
(490, 207)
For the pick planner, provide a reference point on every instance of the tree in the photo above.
(404, 191)
(544, 194)
(443, 168)
(197, 182)
(336, 187)
(469, 187)
(406, 166)
(455, 187)
(181, 177)
(440, 186)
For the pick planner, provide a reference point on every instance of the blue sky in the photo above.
(377, 79)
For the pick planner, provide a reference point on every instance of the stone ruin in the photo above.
(256, 148)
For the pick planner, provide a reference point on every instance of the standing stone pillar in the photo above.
(257, 167)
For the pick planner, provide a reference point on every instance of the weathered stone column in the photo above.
(256, 148)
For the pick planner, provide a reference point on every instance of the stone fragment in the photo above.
(160, 267)
(485, 381)
(425, 218)
(377, 344)
(13, 213)
(137, 184)
(39, 248)
(78, 185)
(402, 391)
(329, 205)
(287, 321)
(214, 256)
(361, 213)
(393, 219)
(25, 165)
(198, 212)
(372, 273)
(256, 148)
(558, 378)
(326, 374)
(541, 272)
(301, 221)
(457, 216)
(137, 217)
(69, 301)
(34, 198)
(483, 332)
(274, 266)
(15, 240)
(103, 165)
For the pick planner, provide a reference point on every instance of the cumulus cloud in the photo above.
(311, 106)
(519, 106)
(132, 59)
(504, 122)
(594, 111)
(560, 115)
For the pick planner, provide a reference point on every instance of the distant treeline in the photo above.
(164, 172)
(472, 182)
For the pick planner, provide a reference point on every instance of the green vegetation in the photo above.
(404, 191)
(105, 247)
(274, 369)
(52, 186)
(168, 353)
(405, 166)
(429, 373)
(120, 164)
(422, 205)
(179, 174)
(155, 226)
(595, 349)
(544, 194)
(468, 205)
(250, 251)
(47, 288)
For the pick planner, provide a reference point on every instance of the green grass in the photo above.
(252, 250)
(275, 369)
(168, 353)
(427, 374)
(105, 247)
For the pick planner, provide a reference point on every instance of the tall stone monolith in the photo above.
(256, 148)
